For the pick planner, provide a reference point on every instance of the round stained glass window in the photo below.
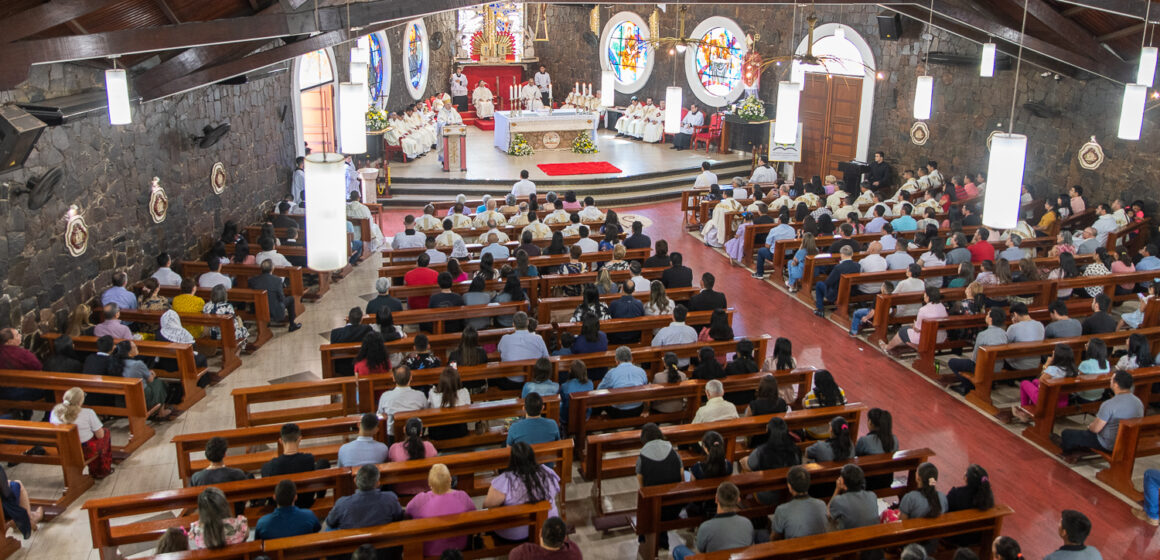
(416, 58)
(715, 63)
(624, 50)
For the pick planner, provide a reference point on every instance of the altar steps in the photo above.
(413, 192)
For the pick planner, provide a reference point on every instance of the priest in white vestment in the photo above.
(624, 124)
(447, 115)
(428, 223)
(398, 135)
(714, 231)
(764, 173)
(654, 126)
(356, 209)
(482, 99)
(530, 95)
(636, 127)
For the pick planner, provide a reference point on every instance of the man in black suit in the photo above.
(638, 240)
(660, 257)
(281, 309)
(352, 331)
(283, 219)
(677, 276)
(707, 299)
(98, 364)
(847, 231)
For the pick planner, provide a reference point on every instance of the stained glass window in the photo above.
(416, 60)
(509, 19)
(378, 78)
(314, 70)
(718, 61)
(627, 52)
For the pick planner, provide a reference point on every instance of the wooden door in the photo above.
(830, 108)
(318, 118)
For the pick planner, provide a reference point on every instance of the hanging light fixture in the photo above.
(117, 93)
(326, 212)
(358, 72)
(673, 102)
(786, 123)
(1007, 161)
(352, 107)
(923, 97)
(987, 62)
(797, 73)
(1146, 74)
(1132, 111)
(607, 91)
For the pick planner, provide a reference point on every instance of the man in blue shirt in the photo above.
(626, 307)
(904, 222)
(625, 374)
(876, 224)
(534, 428)
(519, 345)
(1150, 260)
(781, 231)
(367, 507)
(288, 520)
(497, 251)
(118, 294)
(364, 450)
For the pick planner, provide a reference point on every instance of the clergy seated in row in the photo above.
(626, 122)
(449, 240)
(647, 123)
(683, 140)
(428, 223)
(355, 209)
(482, 98)
(489, 215)
(402, 133)
(714, 231)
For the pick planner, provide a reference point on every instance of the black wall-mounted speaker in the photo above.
(890, 26)
(19, 132)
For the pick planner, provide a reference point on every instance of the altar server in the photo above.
(482, 98)
(544, 84)
(654, 127)
(714, 231)
(459, 89)
(684, 139)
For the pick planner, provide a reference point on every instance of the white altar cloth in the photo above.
(507, 125)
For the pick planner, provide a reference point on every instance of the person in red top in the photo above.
(554, 544)
(421, 275)
(980, 249)
(15, 356)
(372, 356)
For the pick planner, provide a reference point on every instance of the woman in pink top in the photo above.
(1123, 263)
(456, 272)
(1076, 201)
(932, 309)
(570, 202)
(438, 501)
(411, 449)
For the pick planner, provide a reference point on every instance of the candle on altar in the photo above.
(576, 88)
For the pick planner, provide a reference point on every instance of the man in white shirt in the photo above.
(409, 238)
(298, 183)
(459, 89)
(715, 407)
(872, 262)
(523, 187)
(165, 275)
(586, 244)
(764, 173)
(693, 119)
(1105, 223)
(543, 83)
(590, 213)
(435, 255)
(269, 254)
(676, 333)
(706, 177)
(214, 276)
(402, 398)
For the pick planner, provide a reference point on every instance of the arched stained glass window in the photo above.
(415, 58)
(837, 56)
(718, 61)
(380, 69)
(314, 70)
(627, 52)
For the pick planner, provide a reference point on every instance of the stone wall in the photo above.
(966, 107)
(442, 62)
(107, 174)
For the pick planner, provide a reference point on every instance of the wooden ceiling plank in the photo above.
(1075, 34)
(46, 16)
(168, 11)
(1130, 8)
(1125, 32)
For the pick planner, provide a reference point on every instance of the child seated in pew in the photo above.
(541, 380)
(803, 515)
(17, 507)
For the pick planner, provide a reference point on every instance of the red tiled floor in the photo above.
(1035, 485)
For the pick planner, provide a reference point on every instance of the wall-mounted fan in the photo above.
(436, 40)
(210, 135)
(40, 189)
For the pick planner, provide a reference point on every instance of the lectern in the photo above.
(454, 147)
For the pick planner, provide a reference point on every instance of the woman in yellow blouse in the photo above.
(189, 304)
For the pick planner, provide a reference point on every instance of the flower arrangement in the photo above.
(583, 144)
(519, 146)
(752, 109)
(376, 119)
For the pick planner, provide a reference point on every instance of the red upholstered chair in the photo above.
(668, 136)
(708, 134)
(389, 151)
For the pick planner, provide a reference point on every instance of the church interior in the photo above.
(446, 279)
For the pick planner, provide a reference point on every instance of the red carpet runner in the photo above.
(582, 168)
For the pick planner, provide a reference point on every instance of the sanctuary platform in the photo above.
(649, 172)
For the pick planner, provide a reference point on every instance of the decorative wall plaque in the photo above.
(217, 178)
(1091, 155)
(551, 140)
(158, 201)
(919, 133)
(76, 232)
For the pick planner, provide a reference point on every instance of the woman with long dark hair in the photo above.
(1067, 269)
(926, 501)
(216, 527)
(524, 269)
(974, 494)
(1006, 548)
(837, 448)
(1095, 362)
(1139, 353)
(524, 482)
(826, 391)
(448, 393)
(242, 252)
(718, 328)
(487, 269)
(671, 374)
(412, 447)
(372, 356)
(779, 451)
(782, 358)
(707, 365)
(801, 212)
(767, 401)
(591, 338)
(512, 291)
(881, 438)
(556, 246)
(456, 271)
(591, 306)
(577, 381)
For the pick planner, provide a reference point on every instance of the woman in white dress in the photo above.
(482, 99)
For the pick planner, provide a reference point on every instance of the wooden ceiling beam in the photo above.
(1129, 8)
(46, 16)
(168, 11)
(1125, 32)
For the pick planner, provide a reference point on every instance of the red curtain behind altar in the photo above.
(506, 74)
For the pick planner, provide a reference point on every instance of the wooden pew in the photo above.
(62, 446)
(187, 371)
(530, 284)
(1133, 236)
(244, 300)
(585, 403)
(654, 355)
(481, 412)
(130, 391)
(254, 440)
(1138, 437)
(614, 455)
(651, 499)
(341, 391)
(1046, 410)
(470, 266)
(228, 341)
(243, 272)
(398, 256)
(362, 224)
(888, 535)
(549, 282)
(547, 305)
(439, 316)
(988, 356)
(9, 545)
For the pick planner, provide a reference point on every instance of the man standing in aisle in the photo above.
(353, 181)
(543, 83)
(298, 185)
(459, 89)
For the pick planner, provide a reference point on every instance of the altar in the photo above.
(544, 131)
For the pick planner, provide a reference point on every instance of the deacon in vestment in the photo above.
(654, 126)
(714, 231)
(531, 97)
(636, 128)
(624, 124)
(539, 229)
(459, 89)
(482, 98)
(693, 119)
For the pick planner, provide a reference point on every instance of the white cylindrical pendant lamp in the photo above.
(117, 92)
(352, 108)
(607, 89)
(1132, 111)
(358, 72)
(987, 62)
(1147, 72)
(923, 97)
(673, 101)
(1004, 181)
(326, 211)
(786, 123)
(360, 55)
(797, 73)
(840, 32)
